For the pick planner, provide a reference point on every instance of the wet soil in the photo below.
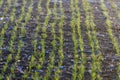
(110, 60)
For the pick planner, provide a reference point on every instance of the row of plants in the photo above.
(5, 26)
(34, 43)
(82, 59)
(110, 32)
(93, 41)
(44, 34)
(40, 55)
(21, 33)
(26, 16)
(60, 48)
(53, 43)
(4, 29)
(73, 28)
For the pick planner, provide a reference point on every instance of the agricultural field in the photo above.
(59, 39)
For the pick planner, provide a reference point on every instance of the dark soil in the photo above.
(110, 60)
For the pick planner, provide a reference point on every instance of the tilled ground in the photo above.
(110, 60)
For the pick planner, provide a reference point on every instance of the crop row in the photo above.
(110, 32)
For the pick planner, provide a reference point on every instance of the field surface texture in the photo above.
(59, 39)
